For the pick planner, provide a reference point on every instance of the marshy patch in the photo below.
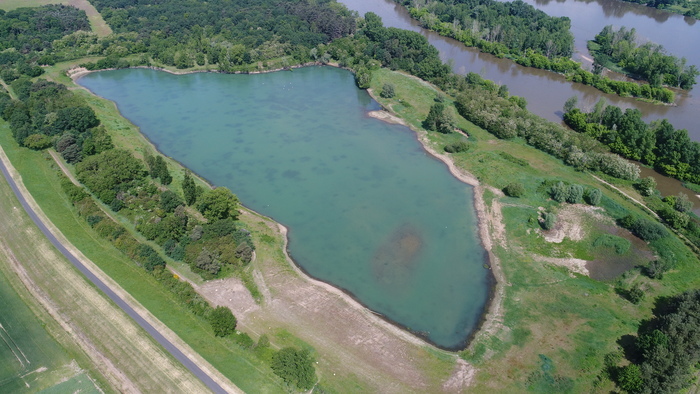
(608, 264)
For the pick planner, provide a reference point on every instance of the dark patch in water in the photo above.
(393, 263)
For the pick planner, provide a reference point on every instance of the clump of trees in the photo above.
(657, 144)
(439, 119)
(666, 348)
(572, 193)
(503, 28)
(295, 367)
(647, 61)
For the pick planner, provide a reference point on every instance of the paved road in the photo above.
(172, 349)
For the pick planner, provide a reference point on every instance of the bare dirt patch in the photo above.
(569, 219)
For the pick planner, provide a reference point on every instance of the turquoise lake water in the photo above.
(368, 210)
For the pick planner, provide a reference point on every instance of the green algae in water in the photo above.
(367, 208)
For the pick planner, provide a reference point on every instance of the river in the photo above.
(545, 91)
(368, 209)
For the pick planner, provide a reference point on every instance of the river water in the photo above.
(545, 91)
(368, 209)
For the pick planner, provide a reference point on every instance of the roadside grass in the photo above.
(41, 178)
(557, 326)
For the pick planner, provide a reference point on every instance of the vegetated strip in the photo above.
(172, 349)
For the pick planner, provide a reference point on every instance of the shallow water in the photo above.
(368, 210)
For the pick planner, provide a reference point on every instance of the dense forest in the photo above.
(518, 31)
(26, 36)
(647, 61)
(498, 27)
(225, 33)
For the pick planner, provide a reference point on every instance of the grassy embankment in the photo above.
(557, 326)
(41, 177)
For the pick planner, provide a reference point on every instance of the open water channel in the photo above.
(368, 209)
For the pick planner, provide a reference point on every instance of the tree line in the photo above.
(657, 144)
(689, 8)
(647, 61)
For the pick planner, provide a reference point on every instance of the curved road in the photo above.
(172, 349)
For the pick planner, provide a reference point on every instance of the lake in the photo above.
(368, 210)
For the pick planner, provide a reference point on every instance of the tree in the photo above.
(169, 201)
(439, 119)
(219, 204)
(574, 194)
(570, 104)
(683, 204)
(559, 192)
(222, 321)
(189, 189)
(295, 367)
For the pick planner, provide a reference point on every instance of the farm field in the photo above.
(30, 358)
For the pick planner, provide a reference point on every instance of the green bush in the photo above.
(514, 189)
(461, 146)
(548, 221)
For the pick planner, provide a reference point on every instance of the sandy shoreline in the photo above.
(486, 220)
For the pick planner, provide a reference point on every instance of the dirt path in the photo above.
(98, 24)
(126, 355)
(63, 167)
